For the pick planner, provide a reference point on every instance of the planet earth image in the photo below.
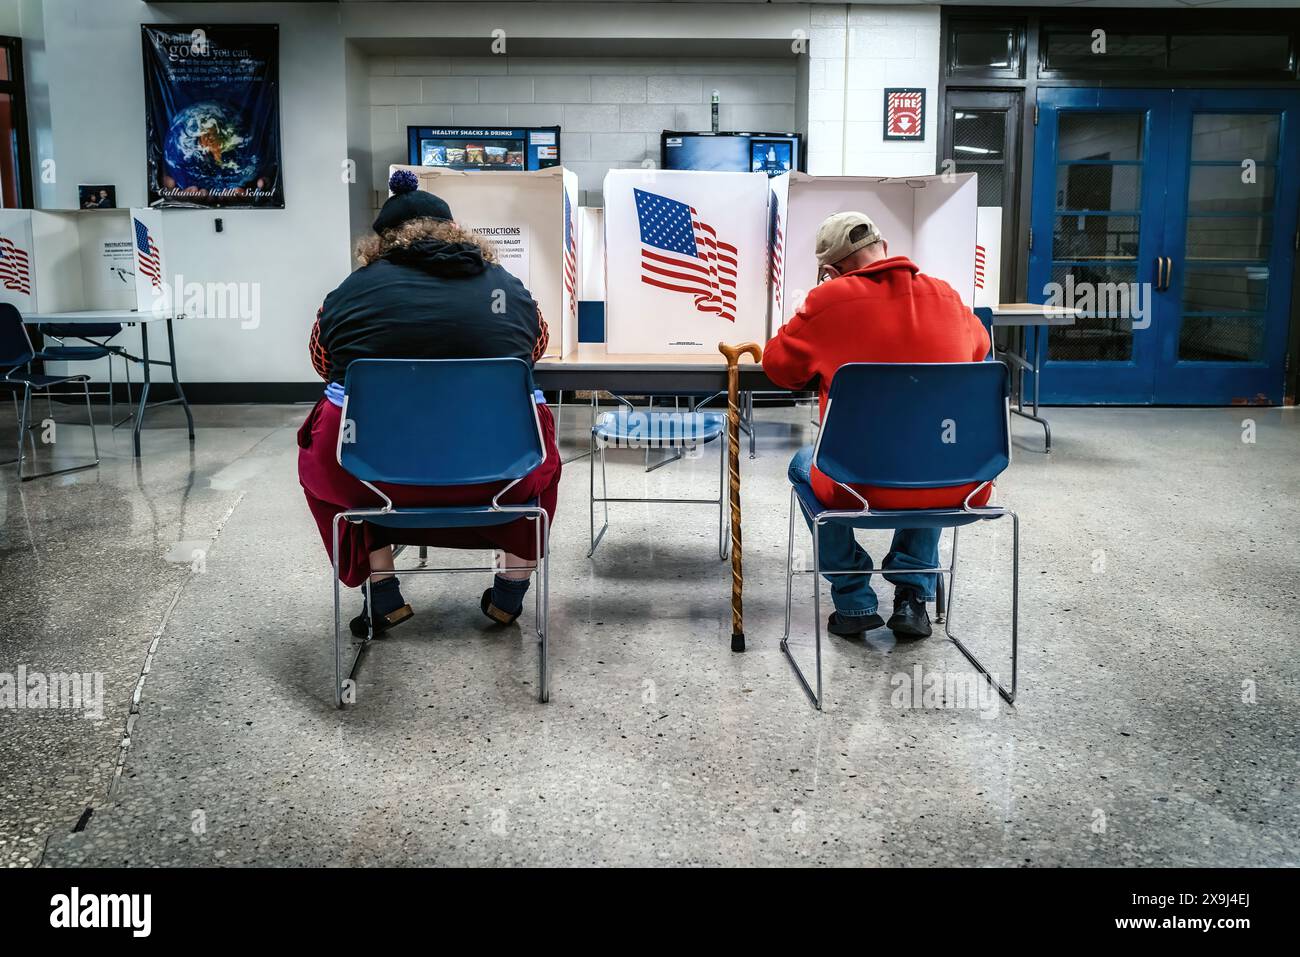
(206, 149)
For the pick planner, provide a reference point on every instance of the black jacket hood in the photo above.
(440, 258)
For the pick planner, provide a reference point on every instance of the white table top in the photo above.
(1034, 314)
(97, 315)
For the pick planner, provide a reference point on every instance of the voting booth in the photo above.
(932, 220)
(988, 256)
(78, 260)
(532, 219)
(686, 260)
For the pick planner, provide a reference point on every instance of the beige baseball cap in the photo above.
(833, 243)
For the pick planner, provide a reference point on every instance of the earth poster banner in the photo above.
(212, 115)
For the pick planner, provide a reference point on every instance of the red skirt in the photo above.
(330, 490)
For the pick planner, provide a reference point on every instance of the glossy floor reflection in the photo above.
(1156, 722)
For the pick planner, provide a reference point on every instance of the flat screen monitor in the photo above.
(486, 148)
(771, 153)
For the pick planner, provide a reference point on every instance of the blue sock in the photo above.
(508, 593)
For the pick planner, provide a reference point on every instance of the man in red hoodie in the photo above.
(871, 307)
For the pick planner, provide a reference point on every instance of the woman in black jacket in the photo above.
(426, 289)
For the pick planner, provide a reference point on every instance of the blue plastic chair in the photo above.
(628, 427)
(97, 337)
(496, 437)
(16, 354)
(909, 426)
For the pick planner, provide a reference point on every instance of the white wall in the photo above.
(611, 109)
(855, 52)
(86, 103)
(295, 255)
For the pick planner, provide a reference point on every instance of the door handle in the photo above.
(1169, 271)
(1164, 269)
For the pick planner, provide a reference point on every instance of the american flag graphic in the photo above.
(14, 273)
(681, 252)
(979, 266)
(149, 264)
(570, 256)
(777, 264)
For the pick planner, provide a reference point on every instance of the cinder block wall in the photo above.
(611, 110)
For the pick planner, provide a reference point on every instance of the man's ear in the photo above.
(884, 244)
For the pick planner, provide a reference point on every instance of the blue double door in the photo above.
(1170, 218)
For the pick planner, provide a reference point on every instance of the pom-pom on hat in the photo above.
(409, 202)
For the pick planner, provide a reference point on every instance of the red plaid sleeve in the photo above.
(320, 360)
(543, 337)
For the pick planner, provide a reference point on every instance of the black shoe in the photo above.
(390, 609)
(495, 613)
(910, 619)
(850, 626)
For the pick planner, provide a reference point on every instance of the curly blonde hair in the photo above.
(371, 248)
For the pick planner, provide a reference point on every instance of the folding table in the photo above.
(131, 317)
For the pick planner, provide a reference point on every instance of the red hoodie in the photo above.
(886, 312)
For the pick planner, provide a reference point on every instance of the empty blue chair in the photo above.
(909, 426)
(442, 422)
(97, 338)
(16, 355)
(631, 428)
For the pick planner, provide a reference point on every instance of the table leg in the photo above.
(1035, 365)
(180, 393)
(144, 387)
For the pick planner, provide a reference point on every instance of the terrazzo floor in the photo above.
(1156, 721)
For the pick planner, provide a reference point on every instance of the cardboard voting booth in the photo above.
(686, 260)
(77, 260)
(930, 219)
(988, 256)
(532, 217)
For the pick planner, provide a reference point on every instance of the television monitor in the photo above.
(771, 153)
(486, 148)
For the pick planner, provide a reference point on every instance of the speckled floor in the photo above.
(1156, 724)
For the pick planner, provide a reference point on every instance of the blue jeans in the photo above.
(852, 594)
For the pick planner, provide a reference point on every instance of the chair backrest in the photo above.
(439, 421)
(916, 425)
(80, 330)
(15, 345)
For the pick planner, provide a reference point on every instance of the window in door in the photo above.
(1096, 226)
(1230, 206)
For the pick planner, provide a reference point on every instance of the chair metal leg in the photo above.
(544, 613)
(90, 419)
(749, 403)
(604, 494)
(24, 429)
(789, 569)
(338, 634)
(814, 697)
(939, 604)
(1008, 696)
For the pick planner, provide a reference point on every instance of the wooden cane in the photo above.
(733, 354)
